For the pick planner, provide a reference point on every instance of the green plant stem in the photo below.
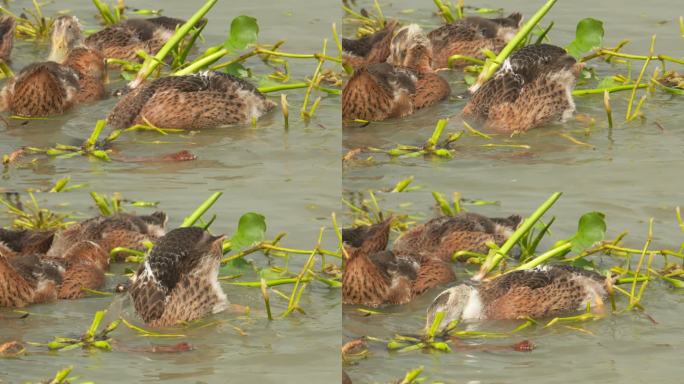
(151, 63)
(580, 92)
(544, 257)
(495, 256)
(492, 65)
(192, 219)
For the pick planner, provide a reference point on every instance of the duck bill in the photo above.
(577, 68)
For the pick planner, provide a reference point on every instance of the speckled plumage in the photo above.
(544, 291)
(179, 279)
(469, 36)
(74, 74)
(441, 237)
(118, 230)
(24, 242)
(533, 87)
(374, 276)
(370, 49)
(123, 40)
(202, 100)
(26, 280)
(7, 28)
(399, 87)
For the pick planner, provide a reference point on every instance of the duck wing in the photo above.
(377, 92)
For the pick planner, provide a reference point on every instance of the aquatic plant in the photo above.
(35, 26)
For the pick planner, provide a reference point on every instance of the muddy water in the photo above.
(631, 173)
(292, 177)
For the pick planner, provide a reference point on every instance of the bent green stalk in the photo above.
(495, 256)
(151, 63)
(192, 219)
(492, 65)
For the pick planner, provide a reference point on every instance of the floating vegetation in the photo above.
(32, 23)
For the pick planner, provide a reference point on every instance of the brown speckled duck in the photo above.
(370, 49)
(202, 100)
(118, 230)
(399, 87)
(18, 242)
(27, 279)
(544, 291)
(123, 40)
(178, 281)
(7, 28)
(73, 74)
(533, 87)
(374, 276)
(469, 36)
(442, 236)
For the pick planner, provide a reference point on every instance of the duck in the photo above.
(398, 87)
(533, 87)
(73, 74)
(544, 291)
(7, 27)
(125, 39)
(469, 36)
(37, 278)
(202, 100)
(374, 276)
(26, 280)
(108, 232)
(18, 242)
(178, 282)
(370, 49)
(442, 236)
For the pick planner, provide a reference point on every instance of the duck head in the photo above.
(7, 27)
(410, 48)
(156, 223)
(508, 26)
(66, 35)
(454, 303)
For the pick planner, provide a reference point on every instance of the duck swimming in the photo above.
(399, 87)
(469, 36)
(202, 100)
(108, 232)
(533, 87)
(73, 74)
(374, 276)
(544, 291)
(7, 28)
(26, 280)
(441, 237)
(123, 40)
(179, 280)
(370, 49)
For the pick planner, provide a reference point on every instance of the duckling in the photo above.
(544, 291)
(73, 74)
(24, 241)
(442, 236)
(27, 279)
(7, 28)
(533, 87)
(469, 36)
(123, 40)
(203, 100)
(118, 230)
(399, 87)
(370, 49)
(374, 276)
(179, 279)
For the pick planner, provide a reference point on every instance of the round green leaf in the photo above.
(588, 35)
(243, 31)
(251, 228)
(591, 230)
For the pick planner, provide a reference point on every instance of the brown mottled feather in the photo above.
(432, 273)
(370, 49)
(7, 28)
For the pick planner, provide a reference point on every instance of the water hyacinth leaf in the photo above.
(243, 31)
(591, 229)
(251, 229)
(588, 35)
(237, 70)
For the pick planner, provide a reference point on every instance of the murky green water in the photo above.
(292, 177)
(631, 173)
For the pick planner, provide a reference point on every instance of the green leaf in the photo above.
(251, 228)
(237, 70)
(591, 229)
(243, 31)
(588, 35)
